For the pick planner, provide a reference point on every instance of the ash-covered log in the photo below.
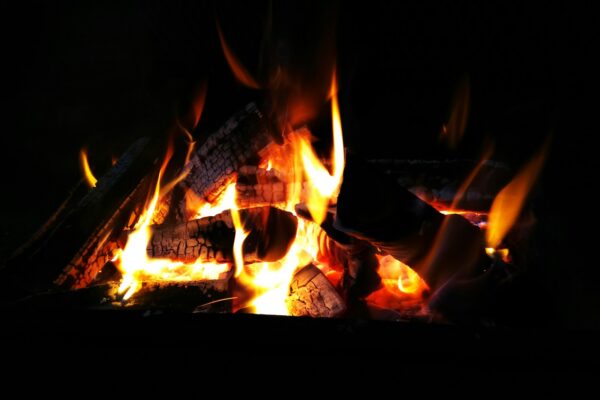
(211, 239)
(312, 295)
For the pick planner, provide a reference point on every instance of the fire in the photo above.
(136, 266)
(85, 167)
(238, 69)
(508, 204)
(402, 287)
(323, 185)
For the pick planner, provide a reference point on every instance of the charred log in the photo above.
(374, 208)
(242, 138)
(437, 181)
(211, 239)
(62, 251)
(312, 295)
(198, 296)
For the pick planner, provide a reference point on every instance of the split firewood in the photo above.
(312, 295)
(60, 254)
(242, 138)
(354, 257)
(374, 208)
(211, 239)
(198, 296)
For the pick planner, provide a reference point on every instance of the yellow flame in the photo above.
(272, 280)
(136, 266)
(85, 167)
(400, 275)
(323, 185)
(508, 203)
(237, 68)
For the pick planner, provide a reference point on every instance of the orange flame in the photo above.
(87, 171)
(509, 202)
(136, 266)
(402, 287)
(454, 129)
(325, 186)
(238, 69)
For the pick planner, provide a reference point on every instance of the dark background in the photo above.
(102, 74)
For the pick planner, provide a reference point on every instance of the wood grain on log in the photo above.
(312, 295)
(211, 239)
(242, 138)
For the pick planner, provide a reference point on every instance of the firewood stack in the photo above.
(374, 215)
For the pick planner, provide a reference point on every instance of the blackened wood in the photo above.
(312, 295)
(211, 239)
(216, 161)
(374, 208)
(80, 231)
(437, 181)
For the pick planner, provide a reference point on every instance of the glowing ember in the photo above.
(402, 287)
(87, 171)
(323, 185)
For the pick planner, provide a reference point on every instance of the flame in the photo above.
(508, 203)
(402, 287)
(265, 286)
(85, 167)
(501, 253)
(406, 280)
(136, 266)
(323, 185)
(238, 69)
(454, 129)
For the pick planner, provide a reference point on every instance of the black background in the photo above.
(101, 74)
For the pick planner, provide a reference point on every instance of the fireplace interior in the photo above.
(337, 178)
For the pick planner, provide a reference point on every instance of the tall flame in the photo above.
(85, 167)
(509, 202)
(325, 186)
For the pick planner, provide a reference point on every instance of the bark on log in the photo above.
(374, 208)
(211, 239)
(312, 295)
(242, 138)
(78, 233)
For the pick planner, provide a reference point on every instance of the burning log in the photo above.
(62, 251)
(211, 239)
(374, 208)
(198, 296)
(438, 181)
(311, 294)
(242, 138)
